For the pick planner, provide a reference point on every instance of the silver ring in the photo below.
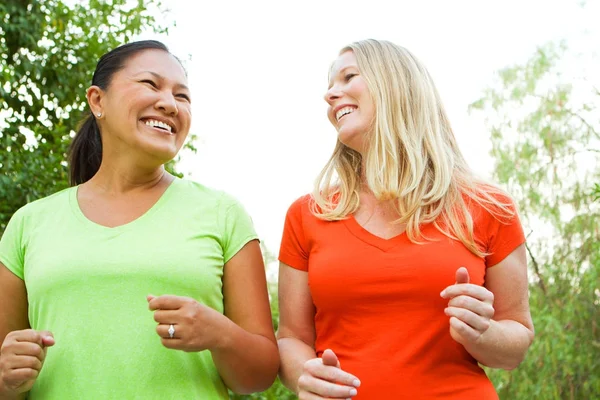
(171, 331)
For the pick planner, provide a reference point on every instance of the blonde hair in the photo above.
(411, 155)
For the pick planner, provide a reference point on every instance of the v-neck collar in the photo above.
(382, 244)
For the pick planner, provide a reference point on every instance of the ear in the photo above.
(95, 96)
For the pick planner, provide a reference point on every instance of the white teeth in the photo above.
(154, 123)
(344, 111)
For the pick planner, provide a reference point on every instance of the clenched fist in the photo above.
(21, 359)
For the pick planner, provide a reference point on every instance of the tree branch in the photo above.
(583, 121)
(536, 268)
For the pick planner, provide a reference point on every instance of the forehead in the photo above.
(157, 61)
(345, 60)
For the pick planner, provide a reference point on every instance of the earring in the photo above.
(99, 115)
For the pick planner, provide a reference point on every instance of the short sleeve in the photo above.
(237, 227)
(12, 245)
(504, 236)
(294, 248)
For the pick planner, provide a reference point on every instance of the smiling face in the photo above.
(146, 108)
(351, 109)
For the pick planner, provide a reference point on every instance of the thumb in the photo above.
(329, 358)
(462, 275)
(47, 338)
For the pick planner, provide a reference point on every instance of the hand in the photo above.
(197, 327)
(470, 309)
(22, 357)
(323, 378)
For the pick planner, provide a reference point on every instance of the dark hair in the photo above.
(85, 152)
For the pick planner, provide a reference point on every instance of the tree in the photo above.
(545, 126)
(48, 53)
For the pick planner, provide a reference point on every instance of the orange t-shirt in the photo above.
(378, 304)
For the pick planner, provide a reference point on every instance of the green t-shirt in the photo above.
(87, 284)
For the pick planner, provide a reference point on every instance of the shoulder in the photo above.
(46, 204)
(302, 205)
(491, 204)
(197, 192)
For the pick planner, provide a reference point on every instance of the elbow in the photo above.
(517, 361)
(513, 365)
(260, 380)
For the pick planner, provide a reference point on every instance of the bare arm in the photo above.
(13, 314)
(301, 371)
(296, 335)
(247, 358)
(504, 340)
(505, 343)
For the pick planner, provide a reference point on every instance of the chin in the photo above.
(162, 153)
(352, 140)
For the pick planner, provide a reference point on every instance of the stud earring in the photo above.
(99, 115)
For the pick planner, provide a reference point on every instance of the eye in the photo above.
(349, 76)
(150, 82)
(184, 96)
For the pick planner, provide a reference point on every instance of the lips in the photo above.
(160, 123)
(342, 110)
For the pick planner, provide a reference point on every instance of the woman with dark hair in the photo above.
(102, 283)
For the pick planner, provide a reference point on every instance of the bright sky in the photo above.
(258, 72)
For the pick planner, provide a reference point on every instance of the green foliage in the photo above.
(545, 134)
(48, 53)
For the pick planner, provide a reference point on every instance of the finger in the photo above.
(462, 275)
(326, 389)
(304, 395)
(468, 289)
(167, 302)
(163, 331)
(27, 349)
(329, 358)
(330, 374)
(47, 338)
(470, 303)
(26, 335)
(179, 344)
(150, 297)
(24, 362)
(16, 377)
(464, 330)
(166, 317)
(468, 317)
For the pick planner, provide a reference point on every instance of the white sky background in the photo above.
(258, 73)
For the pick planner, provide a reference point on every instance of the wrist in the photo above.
(8, 394)
(224, 334)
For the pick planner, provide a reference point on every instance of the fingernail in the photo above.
(443, 293)
(356, 383)
(353, 392)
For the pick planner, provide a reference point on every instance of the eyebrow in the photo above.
(340, 72)
(160, 77)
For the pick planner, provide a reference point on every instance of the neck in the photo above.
(368, 201)
(120, 179)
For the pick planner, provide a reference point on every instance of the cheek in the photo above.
(330, 116)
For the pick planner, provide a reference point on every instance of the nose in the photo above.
(167, 104)
(332, 94)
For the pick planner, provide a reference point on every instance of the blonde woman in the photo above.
(402, 272)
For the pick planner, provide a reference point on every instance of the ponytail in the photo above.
(85, 152)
